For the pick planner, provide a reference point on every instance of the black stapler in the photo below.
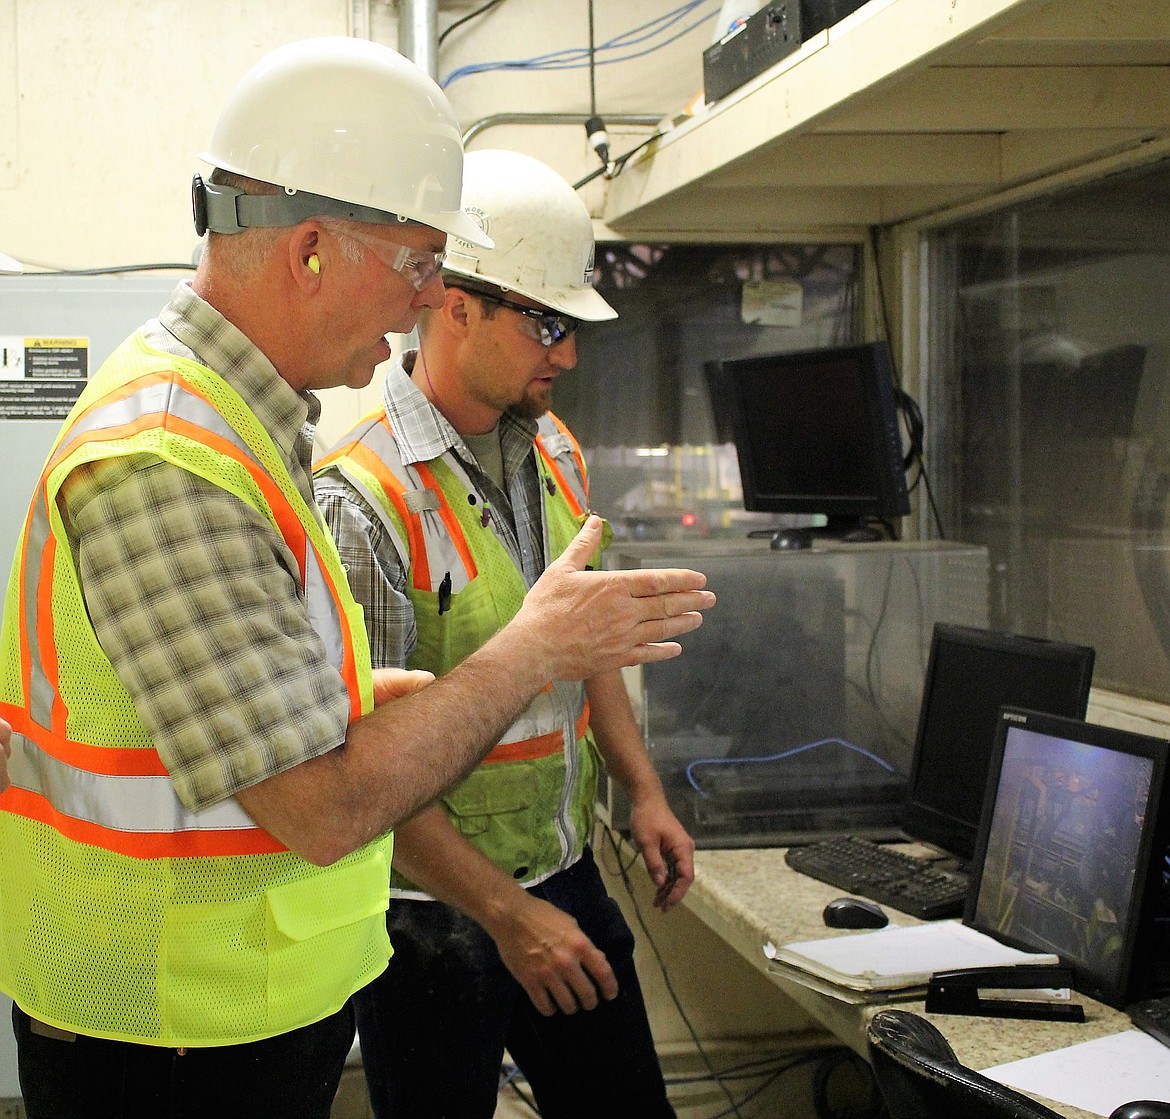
(963, 992)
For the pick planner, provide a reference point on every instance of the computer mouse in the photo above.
(790, 540)
(1141, 1109)
(854, 913)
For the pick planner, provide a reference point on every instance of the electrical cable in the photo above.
(483, 10)
(771, 1068)
(906, 404)
(613, 169)
(758, 759)
(110, 270)
(595, 130)
(574, 58)
(624, 870)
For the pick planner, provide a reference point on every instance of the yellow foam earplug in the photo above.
(315, 264)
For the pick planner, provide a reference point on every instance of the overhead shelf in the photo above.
(906, 107)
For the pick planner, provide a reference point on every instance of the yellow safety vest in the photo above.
(123, 914)
(528, 806)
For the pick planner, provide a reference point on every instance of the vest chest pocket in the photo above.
(492, 791)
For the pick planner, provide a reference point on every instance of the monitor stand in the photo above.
(841, 528)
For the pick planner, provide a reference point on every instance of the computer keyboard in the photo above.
(914, 886)
(1153, 1016)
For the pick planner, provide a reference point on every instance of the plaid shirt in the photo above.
(195, 598)
(372, 564)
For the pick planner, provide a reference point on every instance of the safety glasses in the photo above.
(419, 266)
(551, 326)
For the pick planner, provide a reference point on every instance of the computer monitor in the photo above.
(970, 674)
(816, 432)
(1071, 845)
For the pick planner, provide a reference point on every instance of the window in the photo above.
(1048, 433)
(661, 463)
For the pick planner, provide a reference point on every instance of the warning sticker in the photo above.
(41, 378)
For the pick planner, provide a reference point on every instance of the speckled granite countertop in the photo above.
(752, 898)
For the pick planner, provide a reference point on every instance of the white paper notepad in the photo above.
(902, 957)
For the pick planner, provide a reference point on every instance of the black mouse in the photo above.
(1141, 1109)
(854, 913)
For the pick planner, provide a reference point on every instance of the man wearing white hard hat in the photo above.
(447, 504)
(194, 847)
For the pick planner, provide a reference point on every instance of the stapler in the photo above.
(966, 991)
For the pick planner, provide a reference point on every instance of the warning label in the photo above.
(41, 378)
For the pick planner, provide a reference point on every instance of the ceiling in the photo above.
(905, 108)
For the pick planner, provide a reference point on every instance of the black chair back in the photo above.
(920, 1077)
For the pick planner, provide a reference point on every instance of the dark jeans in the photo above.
(293, 1076)
(435, 1024)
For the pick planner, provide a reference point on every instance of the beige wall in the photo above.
(104, 105)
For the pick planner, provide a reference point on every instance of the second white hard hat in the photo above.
(542, 233)
(348, 121)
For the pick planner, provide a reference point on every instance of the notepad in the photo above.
(893, 958)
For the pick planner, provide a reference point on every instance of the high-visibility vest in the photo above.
(528, 806)
(123, 914)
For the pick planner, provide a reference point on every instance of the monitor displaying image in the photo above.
(1071, 846)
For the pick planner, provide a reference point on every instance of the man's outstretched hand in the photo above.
(594, 621)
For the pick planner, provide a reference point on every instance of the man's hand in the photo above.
(394, 683)
(551, 958)
(666, 848)
(586, 622)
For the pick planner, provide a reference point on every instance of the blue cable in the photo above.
(575, 58)
(757, 759)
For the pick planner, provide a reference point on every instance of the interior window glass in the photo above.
(1048, 433)
(662, 464)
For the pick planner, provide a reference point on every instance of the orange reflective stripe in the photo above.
(45, 639)
(140, 845)
(112, 761)
(528, 749)
(287, 521)
(562, 481)
(395, 490)
(454, 530)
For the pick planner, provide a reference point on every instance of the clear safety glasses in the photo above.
(553, 326)
(419, 266)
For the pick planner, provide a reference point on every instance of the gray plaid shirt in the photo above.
(372, 564)
(193, 595)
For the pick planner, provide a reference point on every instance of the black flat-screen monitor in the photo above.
(970, 674)
(817, 432)
(1071, 848)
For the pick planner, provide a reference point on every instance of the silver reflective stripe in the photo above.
(560, 448)
(324, 615)
(127, 804)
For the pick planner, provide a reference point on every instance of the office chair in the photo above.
(920, 1077)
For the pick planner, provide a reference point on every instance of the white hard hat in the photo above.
(542, 232)
(348, 128)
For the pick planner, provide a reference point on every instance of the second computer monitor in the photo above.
(1071, 849)
(970, 675)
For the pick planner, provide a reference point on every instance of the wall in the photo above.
(104, 105)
